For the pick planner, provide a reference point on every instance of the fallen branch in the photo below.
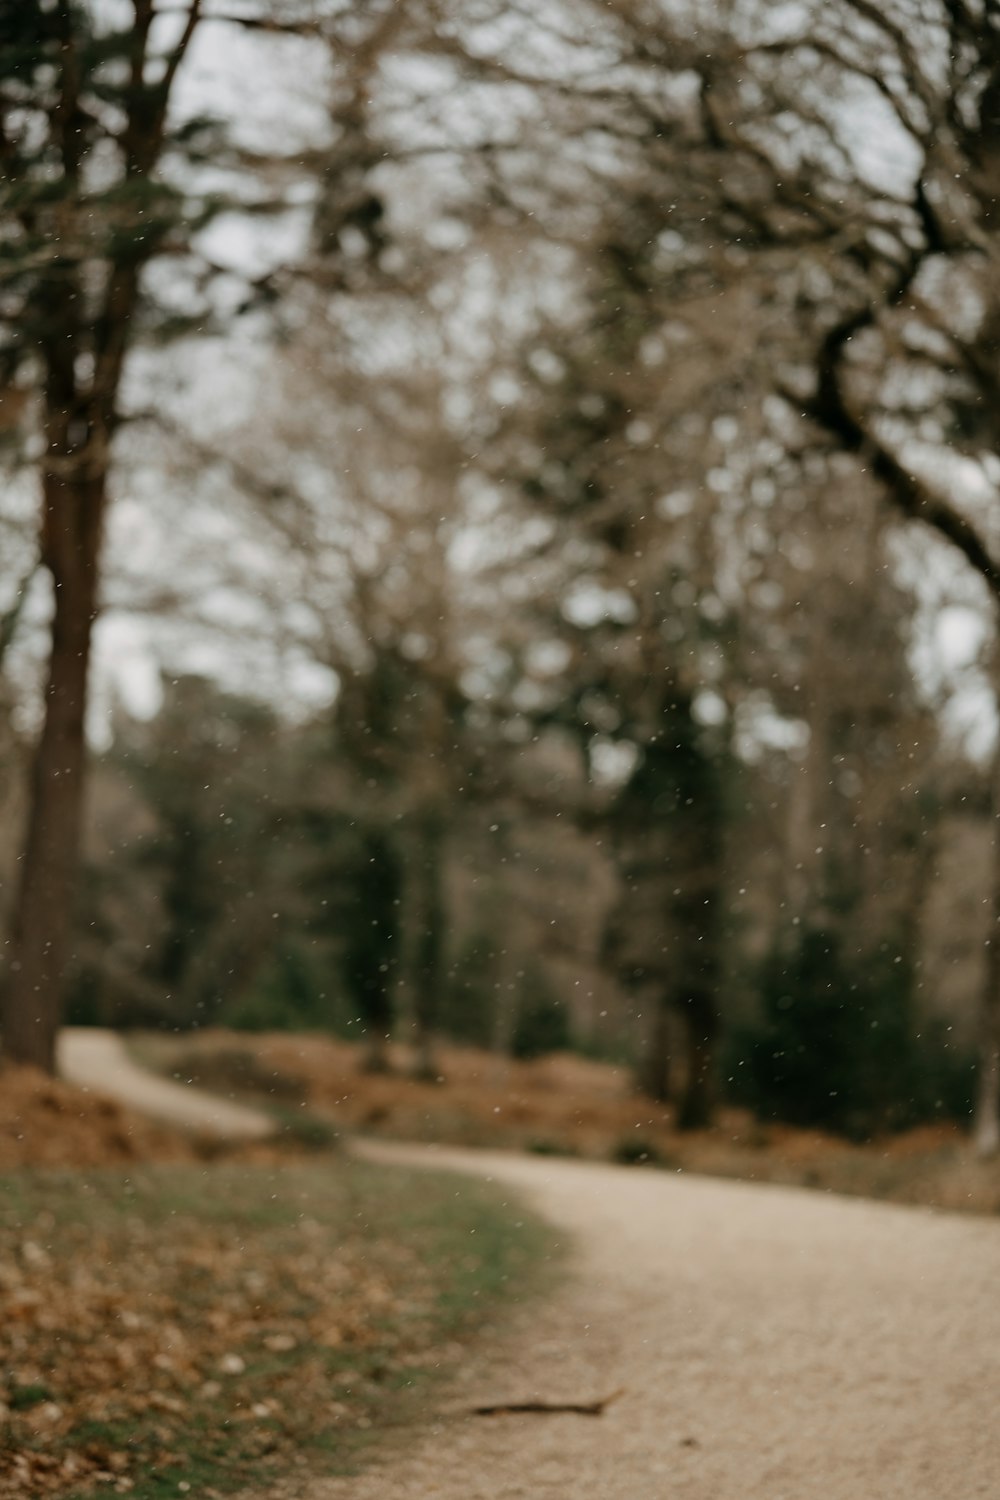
(578, 1408)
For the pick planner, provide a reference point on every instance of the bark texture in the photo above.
(42, 929)
(664, 938)
(85, 251)
(425, 958)
(986, 1130)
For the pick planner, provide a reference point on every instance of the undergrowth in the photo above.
(185, 1329)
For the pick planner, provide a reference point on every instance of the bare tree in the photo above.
(83, 130)
(103, 178)
(835, 169)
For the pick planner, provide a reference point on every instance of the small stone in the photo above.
(279, 1343)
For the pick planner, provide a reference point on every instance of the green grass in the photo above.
(340, 1288)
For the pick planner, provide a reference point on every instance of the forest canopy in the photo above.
(499, 536)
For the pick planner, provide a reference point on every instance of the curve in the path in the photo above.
(93, 1058)
(773, 1344)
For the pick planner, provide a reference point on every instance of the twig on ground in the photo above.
(578, 1408)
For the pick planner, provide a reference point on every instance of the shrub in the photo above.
(542, 1024)
(469, 1004)
(635, 1151)
(837, 1046)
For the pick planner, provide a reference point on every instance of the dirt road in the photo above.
(773, 1344)
(96, 1059)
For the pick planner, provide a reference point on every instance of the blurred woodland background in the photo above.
(525, 482)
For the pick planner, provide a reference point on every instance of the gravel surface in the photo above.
(92, 1058)
(769, 1343)
(772, 1343)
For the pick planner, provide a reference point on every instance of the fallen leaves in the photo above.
(124, 1334)
(47, 1123)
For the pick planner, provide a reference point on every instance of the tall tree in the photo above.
(835, 167)
(896, 307)
(84, 103)
(906, 375)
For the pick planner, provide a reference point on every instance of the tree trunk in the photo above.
(666, 929)
(653, 1070)
(496, 919)
(701, 1024)
(427, 941)
(370, 959)
(986, 1131)
(987, 1122)
(73, 510)
(808, 811)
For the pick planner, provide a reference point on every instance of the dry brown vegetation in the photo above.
(183, 1326)
(47, 1123)
(193, 1324)
(572, 1105)
(160, 1333)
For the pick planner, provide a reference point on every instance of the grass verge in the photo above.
(195, 1329)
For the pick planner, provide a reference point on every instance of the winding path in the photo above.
(93, 1058)
(773, 1344)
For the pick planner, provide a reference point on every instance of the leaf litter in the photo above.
(200, 1325)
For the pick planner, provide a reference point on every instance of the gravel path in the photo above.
(93, 1058)
(773, 1344)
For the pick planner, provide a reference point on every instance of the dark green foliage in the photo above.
(542, 1146)
(371, 939)
(24, 1397)
(224, 900)
(214, 774)
(293, 993)
(837, 1046)
(636, 1151)
(542, 1024)
(944, 1073)
(468, 1010)
(253, 887)
(664, 936)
